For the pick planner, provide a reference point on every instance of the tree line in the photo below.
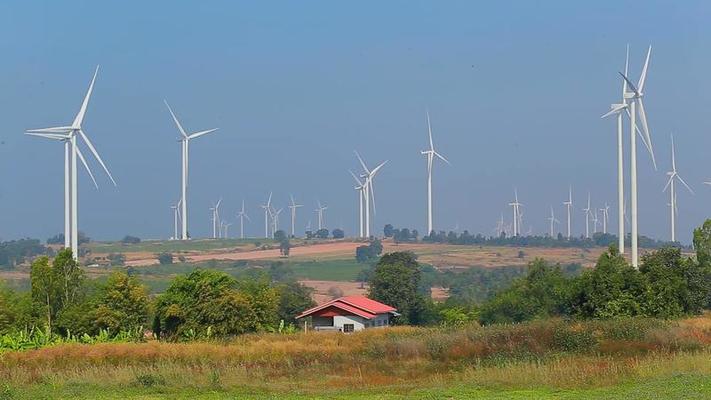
(668, 284)
(62, 301)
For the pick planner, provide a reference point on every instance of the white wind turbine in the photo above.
(617, 109)
(293, 206)
(68, 135)
(673, 207)
(568, 205)
(553, 221)
(430, 154)
(595, 220)
(215, 219)
(587, 218)
(275, 219)
(185, 145)
(516, 214)
(635, 94)
(242, 215)
(319, 212)
(362, 196)
(606, 217)
(369, 175)
(225, 226)
(267, 211)
(176, 218)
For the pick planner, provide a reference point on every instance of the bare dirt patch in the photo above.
(321, 289)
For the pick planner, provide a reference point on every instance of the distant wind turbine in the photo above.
(185, 145)
(674, 175)
(431, 153)
(552, 221)
(369, 175)
(319, 211)
(267, 210)
(293, 206)
(362, 196)
(568, 205)
(587, 218)
(242, 215)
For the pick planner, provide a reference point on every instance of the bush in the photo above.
(165, 258)
(128, 239)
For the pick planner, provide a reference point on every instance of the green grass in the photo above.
(680, 386)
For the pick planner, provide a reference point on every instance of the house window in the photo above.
(348, 328)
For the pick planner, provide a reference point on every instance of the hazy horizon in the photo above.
(515, 91)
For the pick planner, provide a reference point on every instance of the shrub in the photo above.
(165, 258)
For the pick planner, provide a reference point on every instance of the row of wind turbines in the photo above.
(630, 105)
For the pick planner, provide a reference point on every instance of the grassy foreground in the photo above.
(627, 359)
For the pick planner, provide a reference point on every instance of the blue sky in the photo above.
(515, 91)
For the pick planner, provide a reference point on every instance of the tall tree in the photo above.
(395, 282)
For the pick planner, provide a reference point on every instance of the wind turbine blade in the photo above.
(198, 134)
(615, 109)
(180, 127)
(684, 183)
(218, 203)
(362, 163)
(372, 193)
(668, 183)
(247, 216)
(376, 169)
(643, 77)
(627, 63)
(356, 178)
(56, 130)
(639, 133)
(645, 130)
(442, 158)
(86, 166)
(96, 154)
(429, 130)
(82, 111)
(629, 83)
(269, 202)
(54, 136)
(673, 155)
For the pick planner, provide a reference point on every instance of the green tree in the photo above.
(395, 281)
(543, 292)
(165, 258)
(45, 296)
(612, 289)
(294, 298)
(206, 299)
(702, 243)
(122, 304)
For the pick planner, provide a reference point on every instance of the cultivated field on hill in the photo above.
(322, 265)
(622, 359)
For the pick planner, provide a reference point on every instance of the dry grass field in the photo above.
(625, 359)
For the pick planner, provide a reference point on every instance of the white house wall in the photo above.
(340, 320)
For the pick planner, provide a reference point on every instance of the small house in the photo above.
(350, 314)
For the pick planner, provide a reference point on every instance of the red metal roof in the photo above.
(358, 305)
